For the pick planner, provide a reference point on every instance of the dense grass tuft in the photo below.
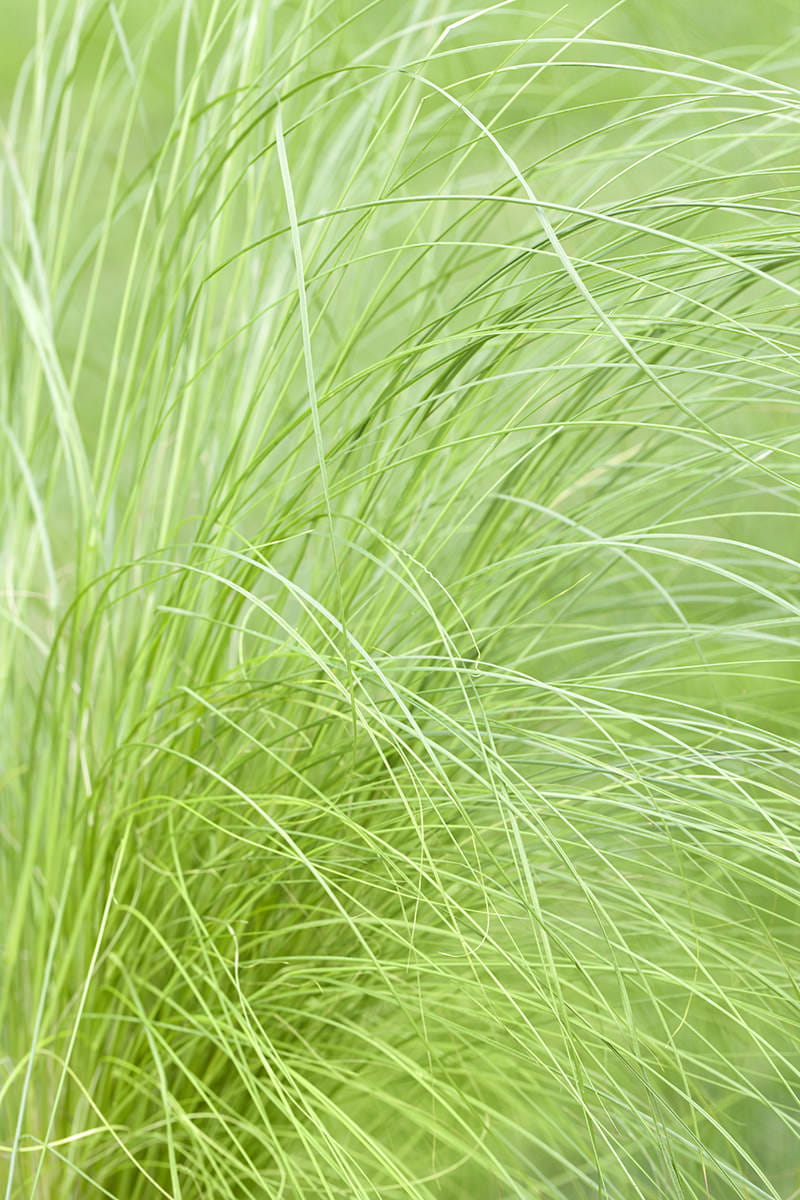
(399, 611)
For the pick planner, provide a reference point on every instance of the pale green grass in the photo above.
(399, 606)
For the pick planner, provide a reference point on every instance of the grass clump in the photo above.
(400, 611)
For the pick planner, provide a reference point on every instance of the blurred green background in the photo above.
(736, 32)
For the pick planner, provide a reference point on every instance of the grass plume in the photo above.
(399, 607)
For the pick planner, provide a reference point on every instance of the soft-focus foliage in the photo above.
(399, 607)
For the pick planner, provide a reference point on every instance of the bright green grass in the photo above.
(399, 651)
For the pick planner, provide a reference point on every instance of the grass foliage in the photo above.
(399, 641)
